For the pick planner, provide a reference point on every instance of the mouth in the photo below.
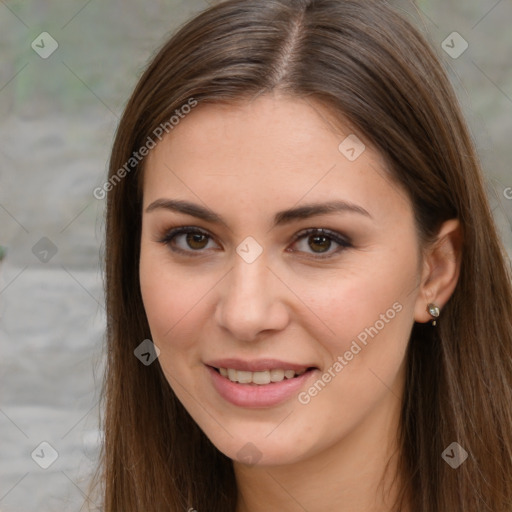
(263, 377)
(259, 383)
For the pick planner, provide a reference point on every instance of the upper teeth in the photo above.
(264, 377)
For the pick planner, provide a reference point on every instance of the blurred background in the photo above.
(66, 71)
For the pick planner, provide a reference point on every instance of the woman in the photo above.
(308, 304)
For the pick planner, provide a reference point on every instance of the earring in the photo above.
(434, 312)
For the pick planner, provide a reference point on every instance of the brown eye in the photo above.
(196, 240)
(323, 243)
(319, 241)
(316, 242)
(187, 240)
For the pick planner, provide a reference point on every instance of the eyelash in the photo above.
(343, 242)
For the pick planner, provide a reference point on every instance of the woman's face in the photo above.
(310, 326)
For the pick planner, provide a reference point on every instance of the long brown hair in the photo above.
(367, 64)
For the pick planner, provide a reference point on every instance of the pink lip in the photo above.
(257, 396)
(257, 365)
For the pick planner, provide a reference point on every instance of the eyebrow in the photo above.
(280, 218)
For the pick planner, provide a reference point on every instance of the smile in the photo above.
(258, 384)
(259, 378)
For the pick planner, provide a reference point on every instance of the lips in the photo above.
(258, 383)
(258, 365)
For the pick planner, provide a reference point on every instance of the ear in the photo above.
(441, 269)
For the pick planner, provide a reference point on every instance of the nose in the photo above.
(252, 301)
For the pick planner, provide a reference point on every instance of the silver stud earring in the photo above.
(434, 312)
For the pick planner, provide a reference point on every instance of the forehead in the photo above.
(273, 150)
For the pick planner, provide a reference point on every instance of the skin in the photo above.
(246, 162)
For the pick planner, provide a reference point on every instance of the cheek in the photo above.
(167, 296)
(177, 305)
(363, 303)
(371, 312)
(172, 304)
